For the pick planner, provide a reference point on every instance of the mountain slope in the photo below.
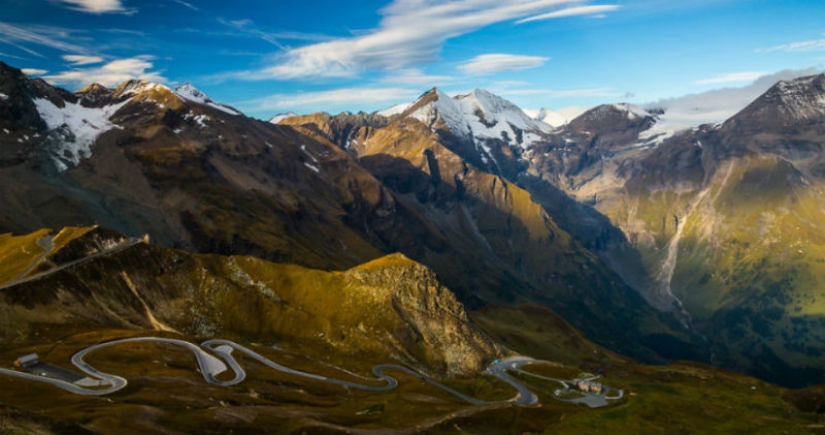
(198, 178)
(724, 220)
(391, 306)
(494, 240)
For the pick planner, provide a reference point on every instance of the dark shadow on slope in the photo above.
(581, 289)
(592, 230)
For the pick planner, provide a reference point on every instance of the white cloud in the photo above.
(718, 105)
(498, 62)
(410, 34)
(52, 37)
(348, 98)
(110, 74)
(33, 71)
(739, 77)
(77, 59)
(98, 6)
(187, 4)
(570, 12)
(802, 46)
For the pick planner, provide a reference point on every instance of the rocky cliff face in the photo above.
(392, 307)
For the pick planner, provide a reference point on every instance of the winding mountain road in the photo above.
(98, 383)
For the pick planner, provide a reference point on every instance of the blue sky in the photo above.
(272, 56)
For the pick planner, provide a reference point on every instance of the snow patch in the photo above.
(394, 110)
(304, 149)
(277, 119)
(313, 167)
(80, 127)
(190, 93)
(557, 118)
(446, 109)
(492, 117)
(199, 119)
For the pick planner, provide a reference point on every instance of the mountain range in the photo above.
(443, 233)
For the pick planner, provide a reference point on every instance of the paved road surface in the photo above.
(98, 383)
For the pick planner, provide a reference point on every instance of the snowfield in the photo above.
(80, 126)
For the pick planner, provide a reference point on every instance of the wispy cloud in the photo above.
(738, 77)
(249, 29)
(571, 12)
(10, 56)
(801, 46)
(77, 59)
(187, 4)
(344, 97)
(411, 34)
(99, 6)
(51, 37)
(498, 62)
(110, 74)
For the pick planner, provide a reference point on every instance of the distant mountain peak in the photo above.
(787, 104)
(189, 92)
(94, 93)
(801, 98)
(137, 87)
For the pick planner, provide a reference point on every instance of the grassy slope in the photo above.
(751, 261)
(165, 393)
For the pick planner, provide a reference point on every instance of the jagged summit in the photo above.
(480, 116)
(493, 117)
(435, 106)
(612, 118)
(786, 104)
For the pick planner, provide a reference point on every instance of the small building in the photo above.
(27, 361)
(588, 386)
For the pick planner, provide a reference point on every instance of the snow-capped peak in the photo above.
(485, 119)
(802, 98)
(480, 115)
(191, 93)
(435, 105)
(493, 117)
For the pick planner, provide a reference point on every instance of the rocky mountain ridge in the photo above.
(591, 219)
(327, 192)
(658, 203)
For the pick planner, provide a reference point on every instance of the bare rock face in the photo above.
(435, 322)
(389, 309)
